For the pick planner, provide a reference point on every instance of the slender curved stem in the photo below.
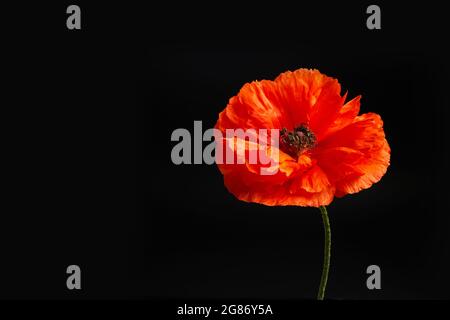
(326, 253)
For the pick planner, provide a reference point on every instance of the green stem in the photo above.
(326, 253)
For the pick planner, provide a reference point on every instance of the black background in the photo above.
(93, 184)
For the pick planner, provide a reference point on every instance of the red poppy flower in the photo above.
(325, 148)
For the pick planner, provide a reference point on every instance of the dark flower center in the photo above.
(296, 142)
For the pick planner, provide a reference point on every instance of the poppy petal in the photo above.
(356, 156)
(255, 106)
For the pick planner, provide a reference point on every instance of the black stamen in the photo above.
(296, 142)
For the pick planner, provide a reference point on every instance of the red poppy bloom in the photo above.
(325, 148)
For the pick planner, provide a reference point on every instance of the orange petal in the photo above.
(256, 106)
(359, 151)
(345, 117)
